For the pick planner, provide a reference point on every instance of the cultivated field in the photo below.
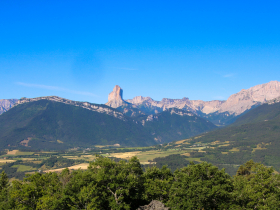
(30, 162)
(82, 166)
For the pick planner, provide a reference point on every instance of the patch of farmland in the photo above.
(82, 166)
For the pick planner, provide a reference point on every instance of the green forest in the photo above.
(110, 184)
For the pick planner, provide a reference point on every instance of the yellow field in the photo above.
(148, 163)
(13, 152)
(223, 145)
(234, 150)
(150, 155)
(101, 146)
(6, 161)
(215, 142)
(82, 166)
(180, 142)
(258, 148)
(126, 155)
(29, 159)
(197, 148)
(17, 152)
(197, 137)
(184, 141)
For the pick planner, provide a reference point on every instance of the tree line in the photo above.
(108, 184)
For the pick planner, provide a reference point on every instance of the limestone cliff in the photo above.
(245, 99)
(235, 104)
(6, 104)
(115, 98)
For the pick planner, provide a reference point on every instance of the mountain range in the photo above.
(52, 122)
(219, 112)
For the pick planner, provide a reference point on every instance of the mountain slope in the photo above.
(174, 124)
(265, 112)
(255, 135)
(45, 124)
(57, 123)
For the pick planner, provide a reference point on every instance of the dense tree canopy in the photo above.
(108, 184)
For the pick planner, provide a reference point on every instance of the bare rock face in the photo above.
(6, 104)
(116, 94)
(154, 205)
(220, 112)
(140, 100)
(115, 98)
(235, 104)
(245, 99)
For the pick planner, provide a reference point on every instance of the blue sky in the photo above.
(163, 49)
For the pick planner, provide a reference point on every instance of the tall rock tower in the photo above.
(115, 98)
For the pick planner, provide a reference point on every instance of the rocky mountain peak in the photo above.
(245, 99)
(235, 105)
(6, 104)
(115, 98)
(139, 100)
(116, 94)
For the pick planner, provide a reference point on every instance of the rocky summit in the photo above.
(220, 112)
(235, 104)
(6, 104)
(115, 98)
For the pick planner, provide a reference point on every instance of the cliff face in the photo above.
(235, 104)
(6, 104)
(245, 99)
(115, 98)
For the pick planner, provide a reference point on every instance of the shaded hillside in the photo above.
(219, 119)
(257, 140)
(261, 113)
(46, 124)
(175, 124)
(130, 111)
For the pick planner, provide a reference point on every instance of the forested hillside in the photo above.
(46, 124)
(261, 113)
(174, 124)
(255, 135)
(107, 184)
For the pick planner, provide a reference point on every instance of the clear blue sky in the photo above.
(163, 49)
